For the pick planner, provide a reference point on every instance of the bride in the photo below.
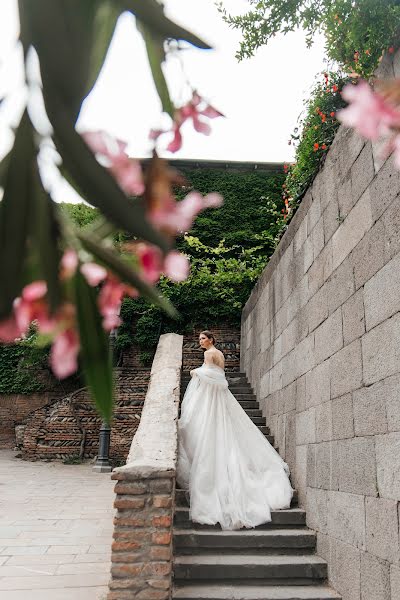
(233, 474)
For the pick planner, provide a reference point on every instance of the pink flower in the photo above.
(150, 259)
(64, 354)
(68, 264)
(111, 152)
(32, 306)
(176, 217)
(194, 110)
(367, 113)
(176, 266)
(9, 330)
(93, 273)
(109, 301)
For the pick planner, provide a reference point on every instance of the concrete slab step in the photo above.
(307, 569)
(289, 517)
(247, 396)
(254, 592)
(283, 540)
(258, 420)
(264, 429)
(181, 498)
(253, 412)
(249, 404)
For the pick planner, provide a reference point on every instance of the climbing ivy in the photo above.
(19, 365)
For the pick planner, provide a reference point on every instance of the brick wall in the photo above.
(53, 431)
(321, 346)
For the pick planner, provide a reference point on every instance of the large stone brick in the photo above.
(345, 197)
(323, 422)
(305, 427)
(340, 285)
(300, 479)
(352, 230)
(394, 581)
(346, 518)
(318, 384)
(329, 336)
(326, 466)
(369, 255)
(356, 466)
(353, 318)
(331, 218)
(342, 417)
(314, 213)
(317, 308)
(290, 441)
(382, 529)
(388, 465)
(301, 394)
(288, 338)
(345, 569)
(390, 391)
(346, 370)
(305, 357)
(381, 351)
(362, 171)
(369, 411)
(321, 269)
(391, 223)
(317, 509)
(384, 188)
(318, 238)
(375, 578)
(300, 236)
(308, 254)
(311, 465)
(351, 144)
(289, 397)
(382, 294)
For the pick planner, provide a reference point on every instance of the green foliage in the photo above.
(356, 31)
(314, 134)
(81, 214)
(19, 365)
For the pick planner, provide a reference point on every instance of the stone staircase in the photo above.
(274, 561)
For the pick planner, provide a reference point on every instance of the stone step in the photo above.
(274, 541)
(182, 500)
(240, 389)
(253, 592)
(264, 429)
(287, 569)
(289, 517)
(258, 420)
(253, 412)
(247, 397)
(249, 404)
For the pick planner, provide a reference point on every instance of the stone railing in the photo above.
(145, 489)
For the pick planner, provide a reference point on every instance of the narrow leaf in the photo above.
(15, 214)
(156, 55)
(112, 261)
(152, 14)
(95, 353)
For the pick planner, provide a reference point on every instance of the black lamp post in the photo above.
(102, 464)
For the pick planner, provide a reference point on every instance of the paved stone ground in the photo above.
(55, 530)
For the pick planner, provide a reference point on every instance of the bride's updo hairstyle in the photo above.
(209, 335)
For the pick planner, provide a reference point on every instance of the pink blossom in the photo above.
(213, 200)
(9, 330)
(69, 263)
(195, 110)
(150, 259)
(109, 301)
(127, 171)
(368, 112)
(64, 353)
(32, 306)
(93, 273)
(176, 266)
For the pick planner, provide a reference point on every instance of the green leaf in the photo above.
(15, 214)
(156, 55)
(125, 272)
(104, 26)
(152, 14)
(46, 234)
(95, 353)
(95, 183)
(4, 167)
(62, 34)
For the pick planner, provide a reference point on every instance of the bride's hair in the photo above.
(209, 335)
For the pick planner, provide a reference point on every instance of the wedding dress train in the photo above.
(233, 474)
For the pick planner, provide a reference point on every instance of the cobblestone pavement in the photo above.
(55, 530)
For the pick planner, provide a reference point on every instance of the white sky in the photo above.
(261, 97)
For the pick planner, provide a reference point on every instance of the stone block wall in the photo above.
(321, 346)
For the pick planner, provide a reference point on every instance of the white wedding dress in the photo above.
(233, 474)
